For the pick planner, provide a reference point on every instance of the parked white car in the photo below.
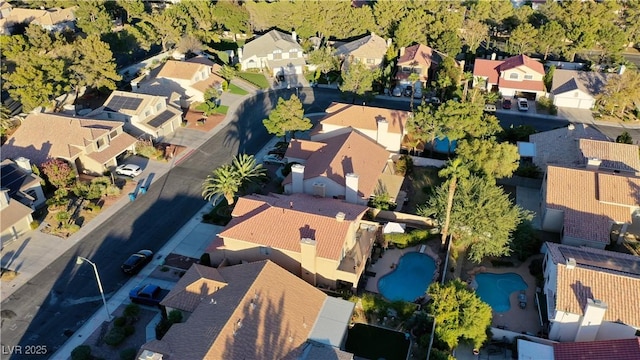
(130, 170)
(523, 104)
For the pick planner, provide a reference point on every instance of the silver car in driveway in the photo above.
(130, 170)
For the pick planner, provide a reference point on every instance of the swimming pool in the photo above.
(495, 289)
(444, 146)
(410, 279)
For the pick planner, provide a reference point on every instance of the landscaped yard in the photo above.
(422, 180)
(235, 89)
(373, 342)
(256, 79)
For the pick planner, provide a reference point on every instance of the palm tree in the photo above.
(247, 169)
(455, 170)
(224, 181)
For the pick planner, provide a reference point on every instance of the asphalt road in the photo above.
(57, 301)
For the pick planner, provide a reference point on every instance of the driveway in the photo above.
(576, 115)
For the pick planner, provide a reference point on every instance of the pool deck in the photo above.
(389, 261)
(516, 319)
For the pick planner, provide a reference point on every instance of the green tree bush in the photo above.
(404, 165)
(115, 336)
(120, 321)
(82, 352)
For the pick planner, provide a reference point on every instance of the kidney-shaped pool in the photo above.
(410, 279)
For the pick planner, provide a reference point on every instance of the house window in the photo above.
(293, 53)
(277, 54)
(513, 76)
(406, 69)
(528, 77)
(371, 61)
(158, 106)
(101, 143)
(265, 250)
(113, 134)
(147, 113)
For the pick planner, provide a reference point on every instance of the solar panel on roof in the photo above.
(631, 266)
(161, 118)
(11, 178)
(124, 102)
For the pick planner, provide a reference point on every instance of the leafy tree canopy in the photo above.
(358, 78)
(287, 117)
(489, 158)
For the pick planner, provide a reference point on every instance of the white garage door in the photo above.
(573, 102)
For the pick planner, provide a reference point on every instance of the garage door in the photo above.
(572, 102)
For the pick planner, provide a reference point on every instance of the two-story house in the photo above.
(519, 76)
(419, 59)
(251, 311)
(324, 241)
(369, 50)
(149, 114)
(22, 183)
(347, 166)
(275, 51)
(89, 146)
(385, 126)
(55, 19)
(185, 80)
(591, 294)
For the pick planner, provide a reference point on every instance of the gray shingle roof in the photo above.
(588, 82)
(265, 44)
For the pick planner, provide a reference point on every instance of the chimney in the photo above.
(389, 41)
(294, 36)
(383, 129)
(571, 263)
(24, 164)
(402, 51)
(591, 320)
(240, 54)
(593, 163)
(493, 56)
(340, 216)
(297, 179)
(308, 260)
(351, 188)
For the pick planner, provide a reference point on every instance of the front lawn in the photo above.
(235, 89)
(423, 179)
(222, 109)
(256, 79)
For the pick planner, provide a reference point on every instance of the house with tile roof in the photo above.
(369, 50)
(275, 51)
(577, 89)
(89, 146)
(387, 127)
(515, 76)
(591, 294)
(348, 166)
(621, 349)
(324, 241)
(182, 82)
(584, 205)
(140, 113)
(55, 19)
(251, 311)
(419, 59)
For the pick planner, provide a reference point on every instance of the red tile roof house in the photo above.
(623, 349)
(140, 113)
(419, 59)
(186, 80)
(89, 146)
(591, 294)
(348, 166)
(369, 50)
(385, 126)
(251, 311)
(324, 241)
(513, 76)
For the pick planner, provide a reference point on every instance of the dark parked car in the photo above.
(408, 90)
(506, 104)
(137, 261)
(147, 294)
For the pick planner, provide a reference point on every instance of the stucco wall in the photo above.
(21, 227)
(564, 327)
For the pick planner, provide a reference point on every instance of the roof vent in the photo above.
(340, 216)
(571, 127)
(571, 263)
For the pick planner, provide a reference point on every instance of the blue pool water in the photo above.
(445, 146)
(495, 289)
(410, 279)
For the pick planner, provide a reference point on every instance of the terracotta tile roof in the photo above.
(520, 60)
(576, 192)
(185, 70)
(198, 282)
(280, 221)
(302, 149)
(488, 69)
(619, 290)
(618, 189)
(117, 146)
(622, 349)
(419, 55)
(560, 146)
(589, 82)
(257, 315)
(13, 213)
(614, 156)
(41, 17)
(371, 46)
(42, 136)
(347, 153)
(362, 117)
(530, 85)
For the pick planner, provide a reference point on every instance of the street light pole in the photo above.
(79, 261)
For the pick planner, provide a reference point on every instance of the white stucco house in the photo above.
(515, 76)
(591, 294)
(275, 51)
(577, 89)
